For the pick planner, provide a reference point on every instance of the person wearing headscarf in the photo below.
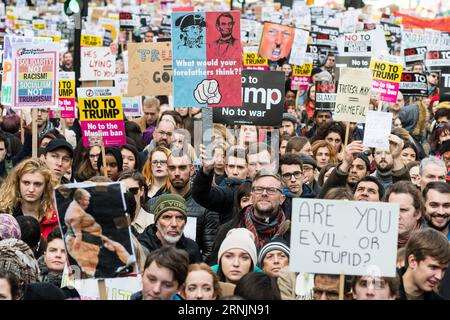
(9, 228)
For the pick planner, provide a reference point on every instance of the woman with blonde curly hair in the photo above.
(28, 191)
(156, 173)
(324, 153)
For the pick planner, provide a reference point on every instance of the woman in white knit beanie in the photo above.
(237, 255)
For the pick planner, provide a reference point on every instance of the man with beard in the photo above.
(181, 170)
(427, 255)
(264, 218)
(226, 46)
(394, 107)
(162, 136)
(170, 221)
(355, 166)
(389, 165)
(411, 208)
(437, 206)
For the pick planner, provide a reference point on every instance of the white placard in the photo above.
(377, 129)
(190, 229)
(299, 47)
(97, 63)
(344, 237)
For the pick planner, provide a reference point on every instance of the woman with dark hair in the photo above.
(440, 134)
(325, 173)
(334, 133)
(130, 157)
(409, 152)
(133, 131)
(88, 166)
(310, 102)
(51, 264)
(9, 286)
(257, 286)
(114, 163)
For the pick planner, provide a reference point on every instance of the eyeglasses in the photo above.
(289, 175)
(134, 190)
(162, 163)
(94, 156)
(331, 295)
(271, 191)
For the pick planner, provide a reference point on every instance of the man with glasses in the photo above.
(433, 83)
(44, 125)
(162, 136)
(206, 222)
(292, 173)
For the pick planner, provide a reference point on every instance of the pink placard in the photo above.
(388, 90)
(113, 132)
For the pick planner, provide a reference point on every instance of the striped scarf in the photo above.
(263, 231)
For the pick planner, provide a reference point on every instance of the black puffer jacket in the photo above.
(207, 223)
(150, 241)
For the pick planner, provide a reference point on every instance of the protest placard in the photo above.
(344, 237)
(444, 84)
(276, 41)
(128, 21)
(150, 69)
(67, 94)
(298, 51)
(100, 113)
(95, 229)
(36, 75)
(262, 100)
(301, 76)
(361, 43)
(8, 75)
(353, 95)
(413, 84)
(116, 288)
(393, 36)
(90, 40)
(97, 63)
(350, 62)
(325, 95)
(132, 106)
(377, 129)
(386, 77)
(253, 61)
(435, 59)
(206, 65)
(413, 55)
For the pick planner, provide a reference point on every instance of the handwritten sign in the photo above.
(116, 288)
(353, 95)
(344, 237)
(150, 69)
(377, 129)
(36, 75)
(97, 63)
(100, 111)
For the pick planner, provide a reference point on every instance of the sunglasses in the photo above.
(134, 190)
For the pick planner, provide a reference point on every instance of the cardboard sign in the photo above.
(253, 61)
(413, 84)
(95, 229)
(325, 95)
(88, 40)
(262, 100)
(206, 64)
(353, 95)
(413, 55)
(150, 69)
(100, 112)
(301, 76)
(36, 75)
(444, 84)
(437, 58)
(276, 41)
(386, 78)
(67, 94)
(97, 63)
(377, 129)
(344, 237)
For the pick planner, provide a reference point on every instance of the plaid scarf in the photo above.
(262, 231)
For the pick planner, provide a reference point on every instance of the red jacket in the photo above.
(47, 225)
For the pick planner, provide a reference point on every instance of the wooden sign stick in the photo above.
(22, 131)
(102, 288)
(34, 133)
(341, 286)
